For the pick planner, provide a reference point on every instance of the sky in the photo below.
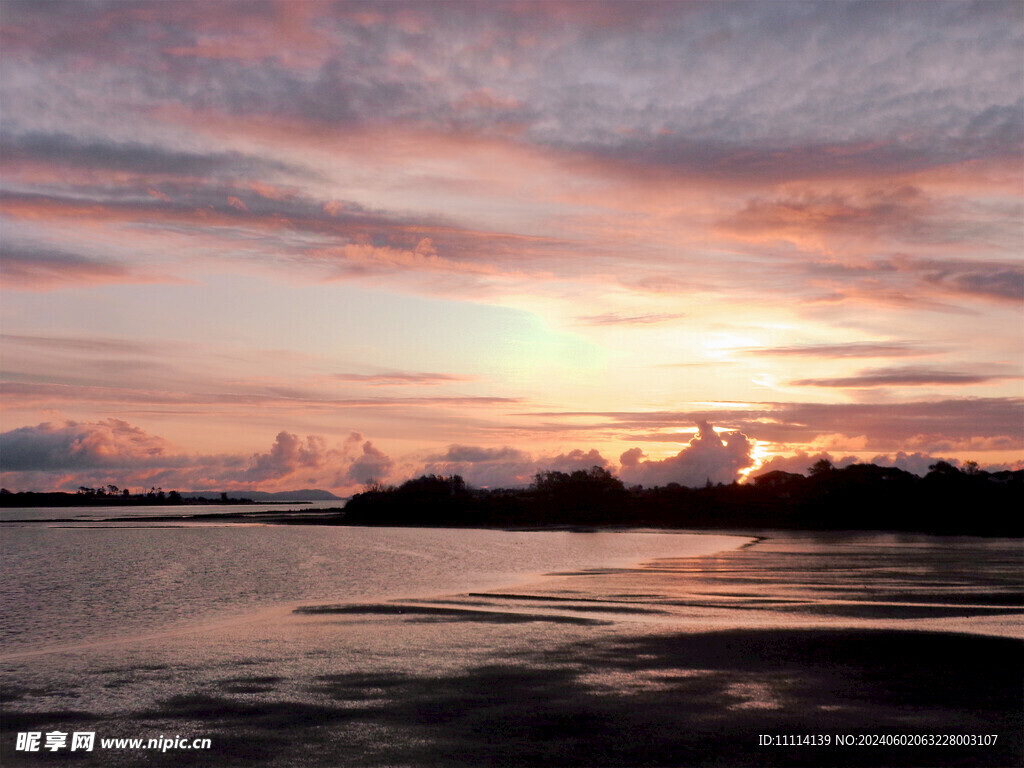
(277, 245)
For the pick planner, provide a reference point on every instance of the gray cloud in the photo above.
(849, 350)
(793, 90)
(994, 280)
(39, 267)
(65, 150)
(942, 285)
(908, 376)
(771, 162)
(776, 90)
(733, 91)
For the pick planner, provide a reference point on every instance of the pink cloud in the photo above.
(870, 213)
(707, 458)
(399, 378)
(573, 460)
(111, 443)
(916, 463)
(372, 465)
(616, 318)
(287, 456)
(801, 462)
(506, 467)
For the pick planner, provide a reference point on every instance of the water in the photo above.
(64, 584)
(100, 513)
(798, 633)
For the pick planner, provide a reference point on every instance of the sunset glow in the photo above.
(303, 244)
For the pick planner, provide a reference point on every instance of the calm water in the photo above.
(105, 513)
(65, 584)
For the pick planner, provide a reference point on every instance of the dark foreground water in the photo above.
(728, 656)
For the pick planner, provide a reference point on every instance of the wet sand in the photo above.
(687, 662)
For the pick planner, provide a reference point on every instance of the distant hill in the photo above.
(308, 494)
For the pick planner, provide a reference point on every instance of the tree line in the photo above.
(948, 500)
(108, 496)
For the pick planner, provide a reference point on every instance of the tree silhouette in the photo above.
(821, 467)
(942, 469)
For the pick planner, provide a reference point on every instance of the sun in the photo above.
(759, 453)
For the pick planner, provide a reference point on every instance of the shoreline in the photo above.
(333, 517)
